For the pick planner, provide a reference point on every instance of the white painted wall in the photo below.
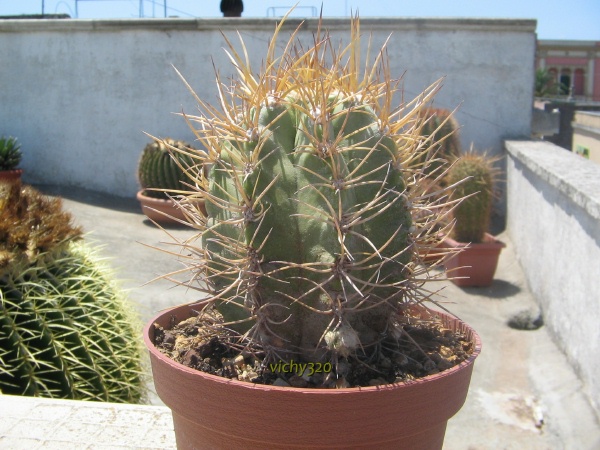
(78, 94)
(554, 221)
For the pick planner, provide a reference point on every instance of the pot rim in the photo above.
(146, 198)
(489, 241)
(148, 329)
(11, 172)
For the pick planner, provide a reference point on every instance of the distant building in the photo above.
(574, 64)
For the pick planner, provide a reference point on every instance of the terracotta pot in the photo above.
(162, 210)
(475, 264)
(218, 413)
(10, 176)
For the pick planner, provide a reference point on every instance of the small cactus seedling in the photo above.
(163, 167)
(308, 247)
(10, 153)
(472, 214)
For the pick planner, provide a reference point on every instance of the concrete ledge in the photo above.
(592, 130)
(29, 423)
(572, 175)
(553, 199)
(397, 23)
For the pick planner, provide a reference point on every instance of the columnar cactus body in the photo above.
(326, 222)
(472, 214)
(309, 237)
(160, 168)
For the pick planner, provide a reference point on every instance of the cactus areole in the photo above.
(307, 250)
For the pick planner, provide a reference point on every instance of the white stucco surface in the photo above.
(79, 94)
(554, 222)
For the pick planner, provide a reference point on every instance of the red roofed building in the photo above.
(574, 64)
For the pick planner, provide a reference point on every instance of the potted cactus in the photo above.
(66, 330)
(10, 157)
(163, 171)
(311, 332)
(476, 251)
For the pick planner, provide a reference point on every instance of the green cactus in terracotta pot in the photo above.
(65, 328)
(309, 242)
(10, 153)
(10, 157)
(472, 214)
(162, 168)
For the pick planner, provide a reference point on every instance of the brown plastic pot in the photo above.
(162, 210)
(10, 176)
(210, 412)
(473, 264)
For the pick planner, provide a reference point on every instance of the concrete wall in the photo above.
(554, 222)
(79, 94)
(544, 122)
(567, 110)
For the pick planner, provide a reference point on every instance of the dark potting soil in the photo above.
(425, 347)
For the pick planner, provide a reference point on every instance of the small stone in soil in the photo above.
(298, 382)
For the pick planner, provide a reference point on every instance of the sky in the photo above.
(557, 19)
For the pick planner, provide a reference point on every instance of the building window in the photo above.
(579, 82)
(565, 81)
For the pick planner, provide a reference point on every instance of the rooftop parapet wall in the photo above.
(267, 24)
(554, 221)
(80, 93)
